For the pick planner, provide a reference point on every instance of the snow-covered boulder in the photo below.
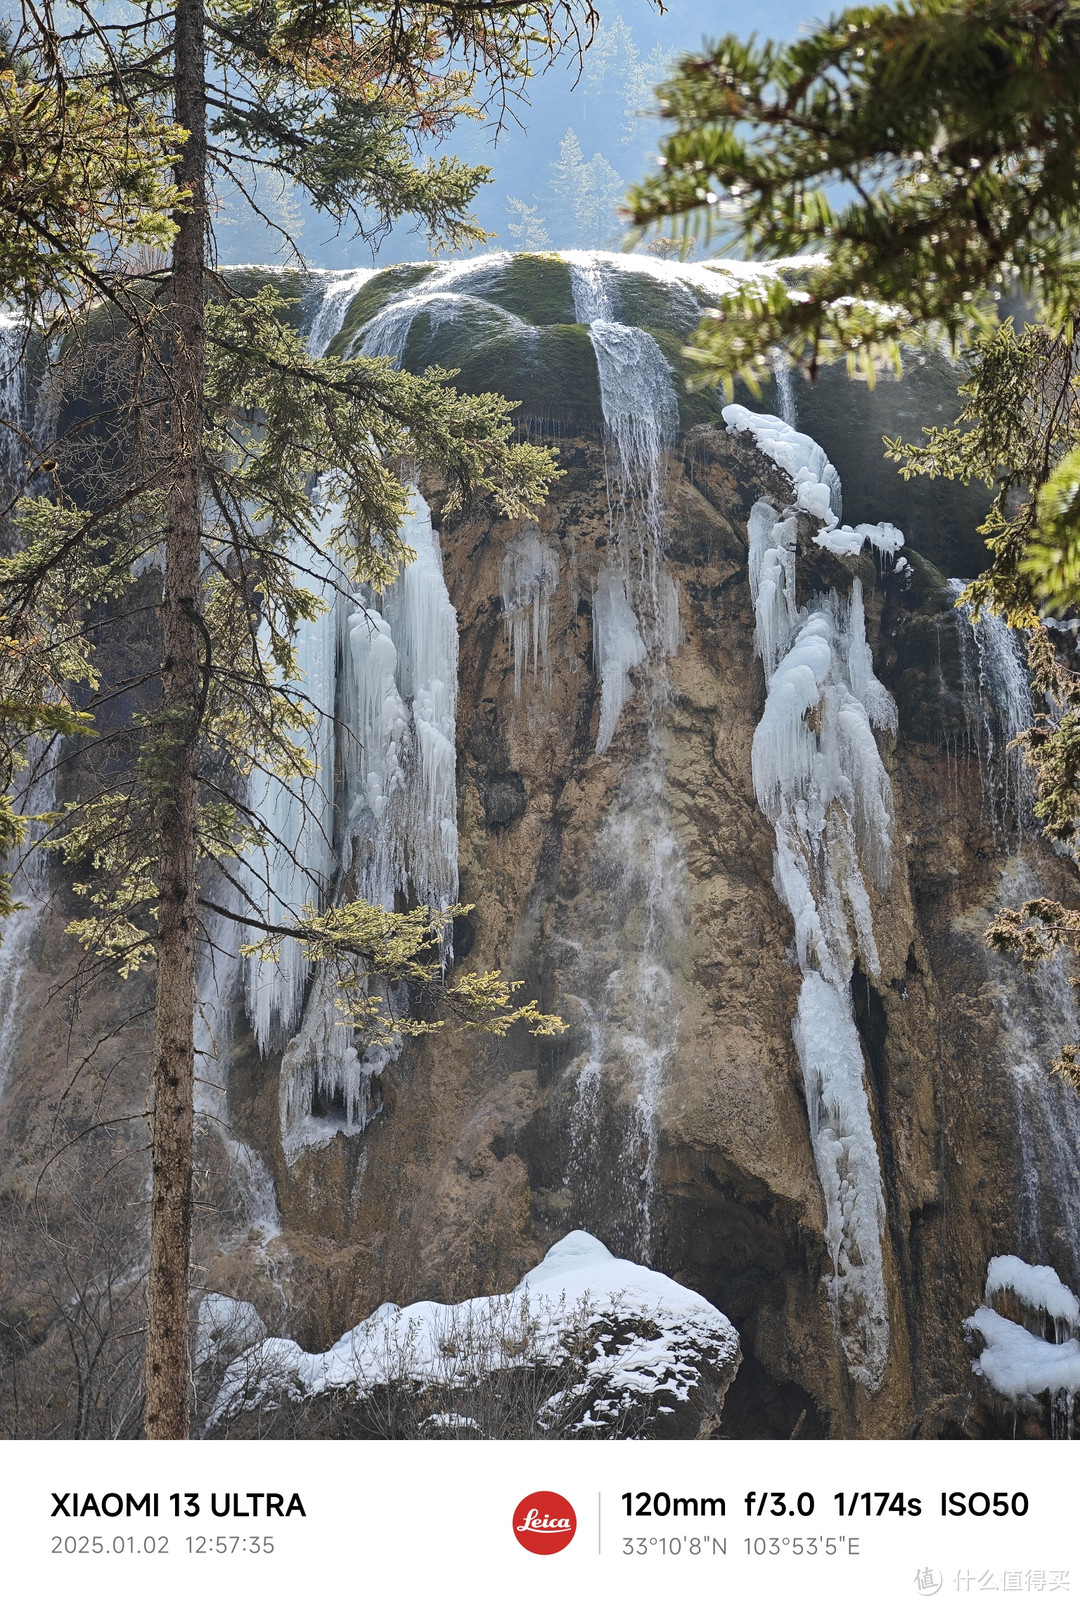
(1027, 1334)
(586, 1345)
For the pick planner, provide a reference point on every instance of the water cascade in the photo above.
(785, 391)
(444, 297)
(626, 987)
(635, 606)
(14, 402)
(997, 701)
(1039, 1011)
(819, 779)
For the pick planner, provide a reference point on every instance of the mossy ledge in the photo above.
(551, 369)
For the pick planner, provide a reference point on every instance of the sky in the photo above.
(584, 136)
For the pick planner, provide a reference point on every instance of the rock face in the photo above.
(632, 888)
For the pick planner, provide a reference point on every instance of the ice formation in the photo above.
(816, 482)
(380, 676)
(528, 579)
(640, 408)
(423, 622)
(1038, 1287)
(1020, 1364)
(817, 485)
(578, 1282)
(298, 866)
(397, 701)
(617, 648)
(820, 781)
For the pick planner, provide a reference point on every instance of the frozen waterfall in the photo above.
(820, 781)
(298, 865)
(399, 707)
(377, 817)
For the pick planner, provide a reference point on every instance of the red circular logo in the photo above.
(544, 1522)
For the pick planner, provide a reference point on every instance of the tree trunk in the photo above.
(172, 1072)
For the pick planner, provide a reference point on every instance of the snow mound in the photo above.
(622, 1344)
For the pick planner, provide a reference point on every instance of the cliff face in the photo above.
(633, 891)
(612, 842)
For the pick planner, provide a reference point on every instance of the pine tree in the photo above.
(529, 231)
(230, 420)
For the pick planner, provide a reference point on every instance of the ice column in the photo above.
(298, 865)
(819, 778)
(423, 624)
(396, 701)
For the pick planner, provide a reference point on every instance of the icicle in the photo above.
(321, 1070)
(14, 402)
(528, 578)
(375, 732)
(396, 699)
(299, 864)
(830, 1054)
(1036, 1356)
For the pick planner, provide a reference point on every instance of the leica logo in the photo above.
(534, 1521)
(544, 1522)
